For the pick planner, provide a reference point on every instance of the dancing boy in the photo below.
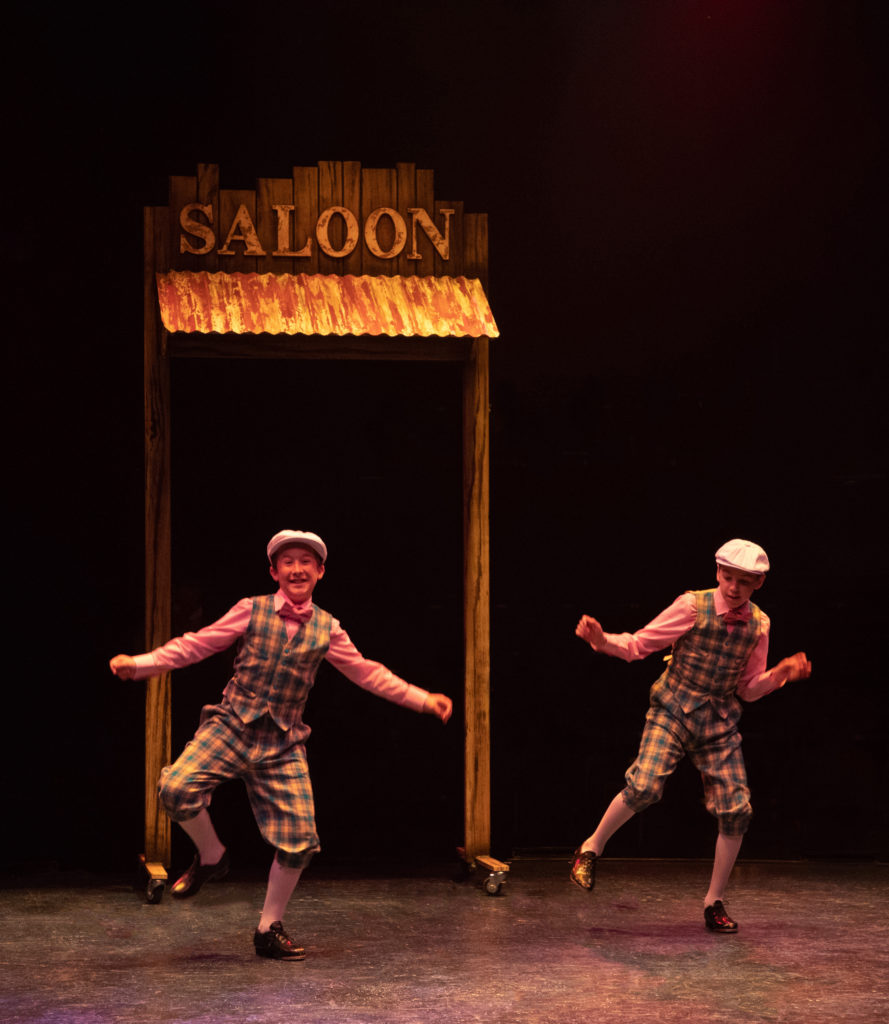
(720, 645)
(257, 732)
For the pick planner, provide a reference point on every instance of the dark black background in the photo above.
(688, 273)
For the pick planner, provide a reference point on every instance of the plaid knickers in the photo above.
(274, 769)
(714, 746)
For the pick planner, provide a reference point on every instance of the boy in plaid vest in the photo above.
(720, 643)
(257, 732)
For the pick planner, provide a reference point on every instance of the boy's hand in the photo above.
(797, 666)
(123, 666)
(589, 629)
(439, 705)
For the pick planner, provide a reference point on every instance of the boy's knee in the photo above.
(730, 805)
(641, 793)
(166, 790)
(294, 860)
(735, 823)
(179, 801)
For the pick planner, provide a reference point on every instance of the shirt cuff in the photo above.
(414, 698)
(145, 666)
(612, 646)
(760, 686)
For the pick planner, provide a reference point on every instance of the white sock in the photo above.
(282, 882)
(617, 814)
(727, 848)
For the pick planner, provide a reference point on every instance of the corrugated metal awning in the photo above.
(324, 304)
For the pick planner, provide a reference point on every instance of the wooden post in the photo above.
(157, 535)
(476, 588)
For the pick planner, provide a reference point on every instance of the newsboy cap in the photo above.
(744, 555)
(285, 537)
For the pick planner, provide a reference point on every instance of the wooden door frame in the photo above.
(159, 348)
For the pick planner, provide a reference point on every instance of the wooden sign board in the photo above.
(336, 218)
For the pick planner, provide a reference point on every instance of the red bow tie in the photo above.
(734, 615)
(287, 611)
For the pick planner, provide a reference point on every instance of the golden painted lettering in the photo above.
(196, 229)
(399, 229)
(242, 230)
(337, 230)
(322, 231)
(283, 212)
(442, 243)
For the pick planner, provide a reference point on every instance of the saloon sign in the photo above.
(385, 233)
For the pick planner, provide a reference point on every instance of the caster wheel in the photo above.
(153, 876)
(155, 891)
(493, 883)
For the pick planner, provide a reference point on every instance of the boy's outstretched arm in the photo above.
(123, 666)
(439, 705)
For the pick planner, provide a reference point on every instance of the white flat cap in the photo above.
(744, 555)
(285, 537)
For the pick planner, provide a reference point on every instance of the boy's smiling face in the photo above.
(296, 571)
(736, 586)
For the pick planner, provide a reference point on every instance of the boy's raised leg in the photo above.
(211, 860)
(583, 867)
(201, 832)
(617, 814)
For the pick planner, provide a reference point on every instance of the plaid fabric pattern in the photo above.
(272, 764)
(714, 746)
(257, 734)
(707, 662)
(273, 675)
(694, 711)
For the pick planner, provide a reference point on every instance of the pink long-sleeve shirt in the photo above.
(342, 654)
(673, 622)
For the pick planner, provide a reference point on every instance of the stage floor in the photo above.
(394, 947)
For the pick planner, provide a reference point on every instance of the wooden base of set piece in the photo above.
(493, 881)
(152, 878)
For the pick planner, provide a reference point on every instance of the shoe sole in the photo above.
(290, 957)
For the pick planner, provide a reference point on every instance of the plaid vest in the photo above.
(707, 662)
(273, 674)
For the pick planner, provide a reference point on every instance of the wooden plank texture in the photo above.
(330, 194)
(271, 346)
(305, 215)
(208, 194)
(476, 590)
(425, 201)
(475, 247)
(157, 534)
(272, 192)
(378, 189)
(352, 201)
(182, 191)
(406, 185)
